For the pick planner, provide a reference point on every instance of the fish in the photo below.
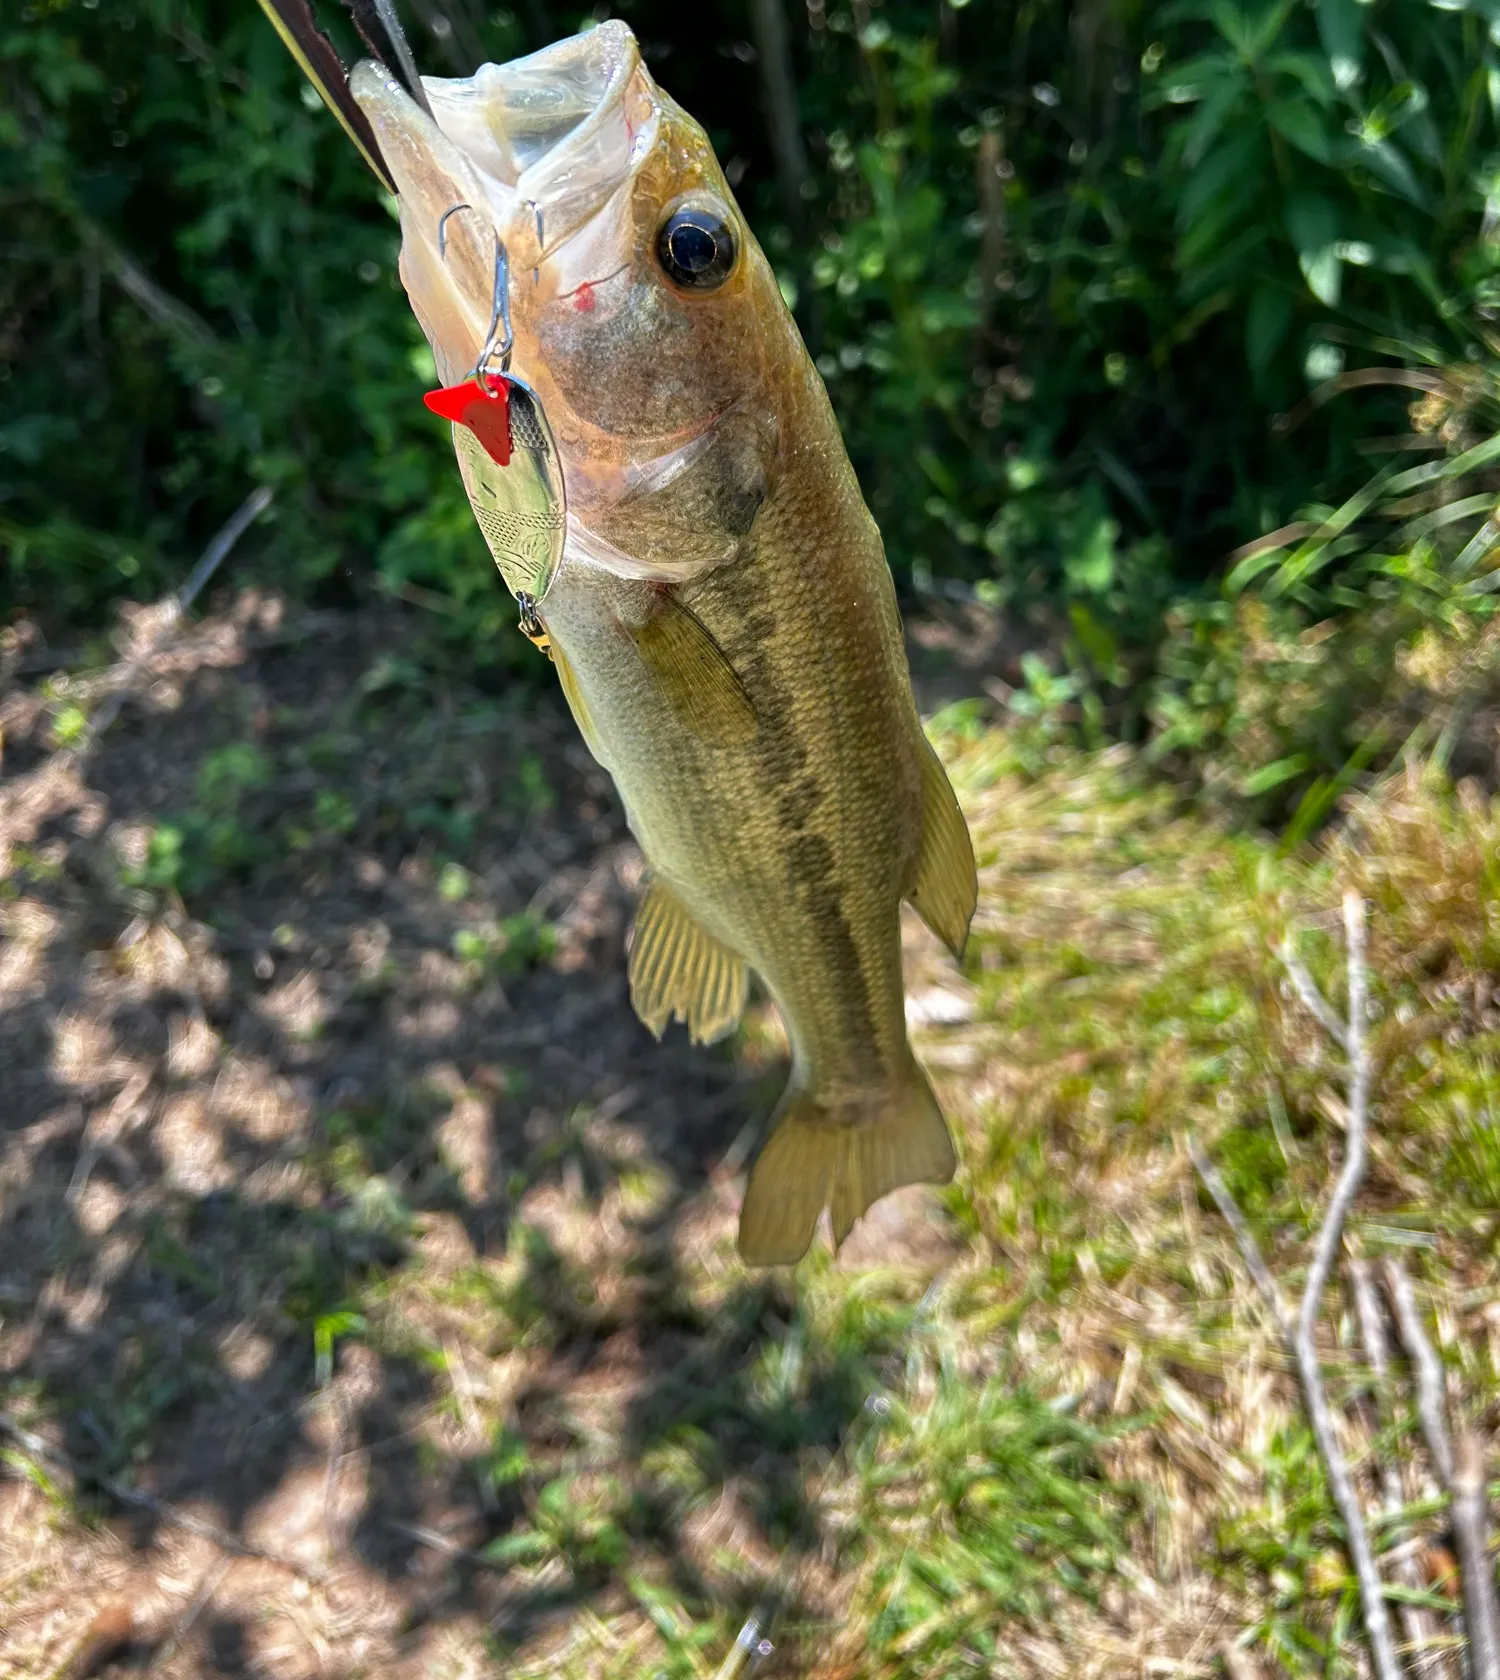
(706, 577)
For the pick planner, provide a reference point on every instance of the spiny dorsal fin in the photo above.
(694, 675)
(679, 971)
(947, 886)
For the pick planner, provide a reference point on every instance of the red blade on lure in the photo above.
(484, 409)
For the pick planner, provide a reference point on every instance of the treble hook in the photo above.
(499, 340)
(452, 210)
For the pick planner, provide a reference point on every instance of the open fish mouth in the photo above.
(558, 131)
(538, 150)
(530, 196)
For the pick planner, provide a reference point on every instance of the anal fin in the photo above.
(947, 885)
(693, 675)
(680, 971)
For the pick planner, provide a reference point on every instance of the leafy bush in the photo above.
(1063, 268)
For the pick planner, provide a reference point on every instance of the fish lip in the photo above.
(486, 117)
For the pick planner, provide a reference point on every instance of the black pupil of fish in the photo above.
(696, 248)
(693, 248)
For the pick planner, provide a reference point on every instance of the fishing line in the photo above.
(382, 33)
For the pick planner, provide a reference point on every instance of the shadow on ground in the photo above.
(346, 1204)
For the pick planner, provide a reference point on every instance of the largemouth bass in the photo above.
(716, 599)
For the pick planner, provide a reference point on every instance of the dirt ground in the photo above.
(219, 1126)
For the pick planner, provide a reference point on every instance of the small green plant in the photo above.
(508, 947)
(328, 1330)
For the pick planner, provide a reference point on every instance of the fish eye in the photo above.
(697, 247)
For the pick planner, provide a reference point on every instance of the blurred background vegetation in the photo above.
(1166, 329)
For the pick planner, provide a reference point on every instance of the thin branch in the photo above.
(1417, 1623)
(36, 1447)
(209, 562)
(1311, 998)
(1427, 1367)
(749, 1647)
(1300, 1335)
(778, 81)
(212, 1581)
(1249, 1249)
(1461, 1469)
(1325, 1251)
(1470, 1517)
(1412, 378)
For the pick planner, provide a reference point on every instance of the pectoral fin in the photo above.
(947, 886)
(677, 970)
(694, 676)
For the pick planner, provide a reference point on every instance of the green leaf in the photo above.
(1266, 324)
(1342, 32)
(1312, 221)
(1301, 124)
(1324, 274)
(1389, 163)
(1310, 69)
(527, 1546)
(1312, 224)
(1095, 639)
(1273, 775)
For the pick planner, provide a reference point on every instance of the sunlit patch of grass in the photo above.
(1079, 1449)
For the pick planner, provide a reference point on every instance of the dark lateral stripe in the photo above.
(321, 64)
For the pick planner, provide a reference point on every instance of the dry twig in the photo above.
(1469, 1513)
(1300, 1335)
(212, 558)
(1425, 1365)
(1325, 1251)
(1245, 1238)
(1417, 1623)
(1461, 1468)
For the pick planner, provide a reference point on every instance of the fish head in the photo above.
(644, 315)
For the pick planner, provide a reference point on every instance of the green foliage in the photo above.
(507, 947)
(1010, 1507)
(1063, 268)
(200, 294)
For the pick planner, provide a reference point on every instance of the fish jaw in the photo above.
(535, 155)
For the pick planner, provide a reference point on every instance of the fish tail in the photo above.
(812, 1161)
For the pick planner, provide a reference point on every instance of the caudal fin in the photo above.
(812, 1161)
